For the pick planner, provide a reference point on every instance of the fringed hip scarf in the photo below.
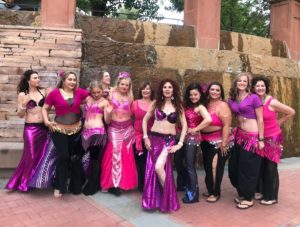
(119, 134)
(273, 147)
(215, 138)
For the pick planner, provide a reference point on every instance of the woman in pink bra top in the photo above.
(272, 138)
(215, 144)
(118, 164)
(246, 156)
(93, 136)
(197, 118)
(139, 110)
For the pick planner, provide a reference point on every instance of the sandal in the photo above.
(244, 204)
(57, 193)
(238, 199)
(212, 199)
(268, 202)
(258, 196)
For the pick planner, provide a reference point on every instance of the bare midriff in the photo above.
(211, 128)
(96, 122)
(34, 115)
(163, 127)
(248, 125)
(120, 115)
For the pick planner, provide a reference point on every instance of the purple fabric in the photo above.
(161, 115)
(246, 108)
(62, 107)
(93, 137)
(35, 143)
(45, 171)
(154, 195)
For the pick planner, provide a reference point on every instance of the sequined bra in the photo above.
(161, 115)
(93, 109)
(32, 103)
(192, 118)
(123, 107)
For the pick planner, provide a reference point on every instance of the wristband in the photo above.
(261, 139)
(145, 136)
(180, 143)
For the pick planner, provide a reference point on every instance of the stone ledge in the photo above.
(10, 154)
(18, 27)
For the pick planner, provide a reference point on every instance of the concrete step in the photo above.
(10, 154)
(10, 129)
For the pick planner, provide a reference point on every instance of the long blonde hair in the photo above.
(234, 91)
(129, 93)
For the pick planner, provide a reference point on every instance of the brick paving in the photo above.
(40, 208)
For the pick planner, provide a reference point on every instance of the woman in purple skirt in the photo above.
(30, 101)
(159, 189)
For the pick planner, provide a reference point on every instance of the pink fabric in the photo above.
(118, 164)
(139, 114)
(61, 105)
(91, 111)
(273, 147)
(123, 108)
(215, 138)
(192, 118)
(216, 121)
(271, 126)
(248, 140)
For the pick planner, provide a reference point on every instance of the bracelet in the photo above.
(145, 136)
(22, 108)
(180, 143)
(261, 139)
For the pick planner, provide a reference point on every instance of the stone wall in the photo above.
(41, 49)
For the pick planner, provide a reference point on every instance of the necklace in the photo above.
(66, 94)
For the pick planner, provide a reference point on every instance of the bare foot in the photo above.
(57, 193)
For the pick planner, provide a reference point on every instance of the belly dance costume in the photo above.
(155, 195)
(93, 141)
(210, 147)
(272, 153)
(190, 148)
(245, 159)
(35, 137)
(118, 164)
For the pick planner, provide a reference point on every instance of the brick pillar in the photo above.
(204, 15)
(285, 24)
(58, 13)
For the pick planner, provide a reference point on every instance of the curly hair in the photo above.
(160, 101)
(187, 101)
(23, 85)
(207, 92)
(142, 87)
(263, 79)
(233, 90)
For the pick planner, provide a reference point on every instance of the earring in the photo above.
(172, 98)
(162, 98)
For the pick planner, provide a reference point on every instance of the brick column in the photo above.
(204, 15)
(58, 13)
(285, 24)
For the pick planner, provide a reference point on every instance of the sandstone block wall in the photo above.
(41, 49)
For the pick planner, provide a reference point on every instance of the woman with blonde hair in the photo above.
(118, 164)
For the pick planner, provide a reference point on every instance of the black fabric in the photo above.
(180, 166)
(190, 153)
(140, 161)
(244, 171)
(209, 151)
(270, 180)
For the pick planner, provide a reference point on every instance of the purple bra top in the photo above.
(32, 103)
(161, 115)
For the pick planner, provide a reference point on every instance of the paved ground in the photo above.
(40, 208)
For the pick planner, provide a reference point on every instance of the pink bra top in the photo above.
(123, 107)
(192, 118)
(271, 126)
(139, 114)
(215, 120)
(92, 110)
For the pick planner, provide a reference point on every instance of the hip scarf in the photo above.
(93, 137)
(193, 139)
(119, 133)
(273, 147)
(215, 138)
(248, 140)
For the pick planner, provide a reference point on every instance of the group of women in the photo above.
(99, 147)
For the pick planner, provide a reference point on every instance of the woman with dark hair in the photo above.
(215, 140)
(139, 109)
(30, 101)
(197, 118)
(272, 138)
(159, 190)
(118, 164)
(245, 160)
(105, 81)
(66, 127)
